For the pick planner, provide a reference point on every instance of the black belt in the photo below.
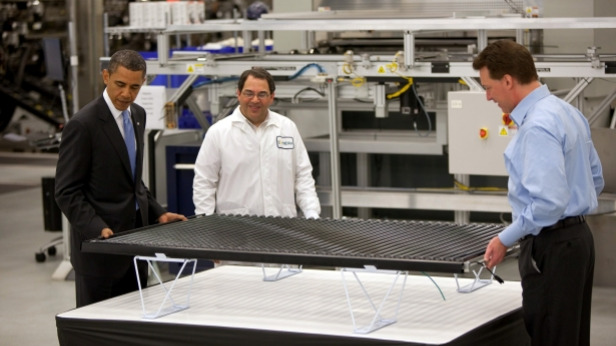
(566, 222)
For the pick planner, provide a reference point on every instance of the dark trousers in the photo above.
(90, 289)
(557, 268)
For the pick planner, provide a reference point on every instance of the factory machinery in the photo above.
(389, 91)
(40, 68)
(33, 75)
(396, 124)
(387, 105)
(382, 88)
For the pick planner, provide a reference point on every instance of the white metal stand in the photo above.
(173, 306)
(377, 321)
(284, 271)
(476, 284)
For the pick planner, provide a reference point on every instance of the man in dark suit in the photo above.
(98, 180)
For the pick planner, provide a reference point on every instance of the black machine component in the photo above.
(400, 245)
(409, 103)
(52, 217)
(610, 67)
(440, 67)
(32, 60)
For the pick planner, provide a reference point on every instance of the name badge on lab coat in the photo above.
(285, 142)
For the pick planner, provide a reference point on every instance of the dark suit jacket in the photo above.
(94, 187)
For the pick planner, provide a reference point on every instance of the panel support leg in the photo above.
(167, 289)
(284, 271)
(477, 282)
(377, 321)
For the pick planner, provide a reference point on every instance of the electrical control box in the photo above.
(478, 133)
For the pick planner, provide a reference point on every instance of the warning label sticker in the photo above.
(503, 131)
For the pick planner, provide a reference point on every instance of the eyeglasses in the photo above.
(249, 94)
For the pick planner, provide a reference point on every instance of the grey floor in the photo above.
(30, 298)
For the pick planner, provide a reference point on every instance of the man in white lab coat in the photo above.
(254, 162)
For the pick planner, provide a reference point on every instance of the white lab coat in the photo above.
(246, 170)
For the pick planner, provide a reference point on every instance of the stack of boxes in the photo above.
(159, 14)
(187, 12)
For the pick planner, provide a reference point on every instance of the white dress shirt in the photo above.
(117, 114)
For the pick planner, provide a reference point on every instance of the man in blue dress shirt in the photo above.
(555, 177)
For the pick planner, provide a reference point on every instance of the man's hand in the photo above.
(495, 253)
(168, 217)
(106, 233)
(311, 215)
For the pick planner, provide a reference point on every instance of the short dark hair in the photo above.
(128, 59)
(259, 73)
(507, 57)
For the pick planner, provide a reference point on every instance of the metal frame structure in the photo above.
(168, 305)
(339, 69)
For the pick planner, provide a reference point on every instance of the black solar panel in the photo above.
(400, 245)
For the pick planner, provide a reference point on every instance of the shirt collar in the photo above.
(117, 114)
(521, 110)
(270, 120)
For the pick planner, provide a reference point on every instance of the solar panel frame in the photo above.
(431, 246)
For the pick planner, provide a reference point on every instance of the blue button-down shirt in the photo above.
(554, 169)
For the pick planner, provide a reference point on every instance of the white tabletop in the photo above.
(315, 302)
